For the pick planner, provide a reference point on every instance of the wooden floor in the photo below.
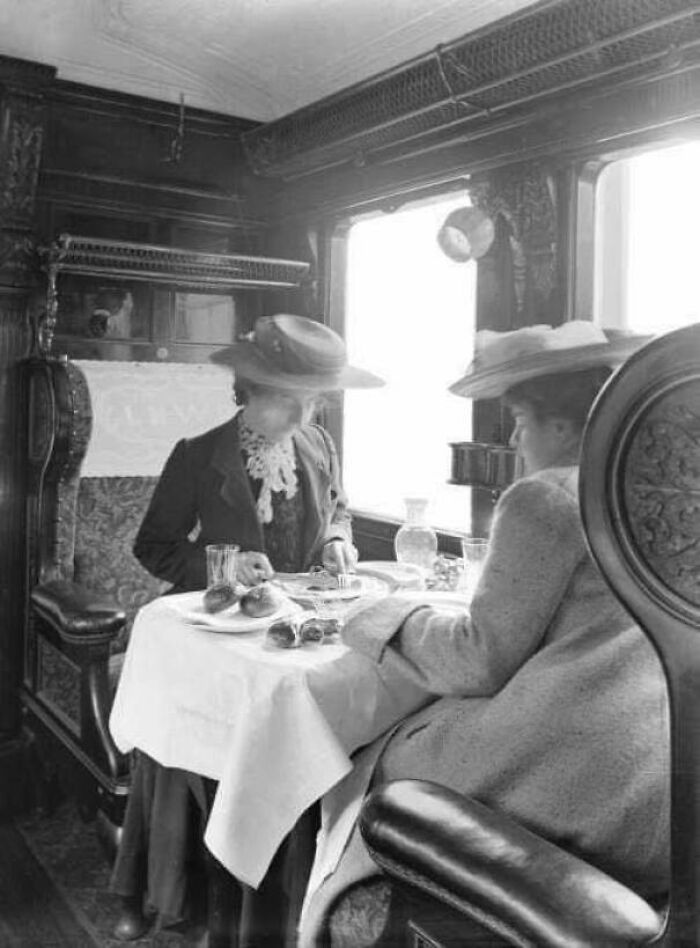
(32, 912)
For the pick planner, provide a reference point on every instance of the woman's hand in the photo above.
(253, 568)
(339, 556)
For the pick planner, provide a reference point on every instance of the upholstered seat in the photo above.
(108, 514)
(86, 501)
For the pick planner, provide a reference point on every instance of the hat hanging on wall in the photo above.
(466, 234)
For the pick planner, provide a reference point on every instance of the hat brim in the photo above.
(494, 381)
(250, 365)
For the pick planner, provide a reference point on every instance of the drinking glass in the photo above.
(473, 556)
(221, 563)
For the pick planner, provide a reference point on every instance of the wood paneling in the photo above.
(21, 134)
(14, 344)
(108, 165)
(102, 164)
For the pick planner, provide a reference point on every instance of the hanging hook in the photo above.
(177, 142)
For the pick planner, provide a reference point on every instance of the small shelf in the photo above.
(172, 267)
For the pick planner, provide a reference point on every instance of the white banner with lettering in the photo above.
(141, 409)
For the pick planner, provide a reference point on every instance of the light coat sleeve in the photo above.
(536, 544)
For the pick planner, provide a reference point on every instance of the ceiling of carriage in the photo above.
(256, 59)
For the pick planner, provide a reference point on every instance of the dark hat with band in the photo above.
(294, 353)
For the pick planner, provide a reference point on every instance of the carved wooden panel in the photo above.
(21, 153)
(524, 196)
(21, 133)
(662, 490)
(14, 344)
(59, 684)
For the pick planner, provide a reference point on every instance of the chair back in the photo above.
(640, 503)
(99, 433)
(80, 528)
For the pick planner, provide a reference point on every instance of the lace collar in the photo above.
(272, 462)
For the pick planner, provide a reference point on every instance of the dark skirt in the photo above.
(162, 859)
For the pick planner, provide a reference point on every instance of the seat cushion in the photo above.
(108, 516)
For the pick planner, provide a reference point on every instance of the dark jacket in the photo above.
(204, 496)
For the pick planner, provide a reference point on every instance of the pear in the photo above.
(283, 634)
(262, 600)
(220, 597)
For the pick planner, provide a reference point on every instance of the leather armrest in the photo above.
(79, 615)
(484, 864)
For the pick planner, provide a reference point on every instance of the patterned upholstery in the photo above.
(359, 917)
(90, 476)
(108, 515)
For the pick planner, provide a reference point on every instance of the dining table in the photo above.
(276, 728)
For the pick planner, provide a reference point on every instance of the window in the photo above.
(410, 314)
(647, 271)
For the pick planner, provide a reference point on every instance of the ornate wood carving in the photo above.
(662, 490)
(169, 266)
(59, 684)
(524, 196)
(18, 260)
(21, 138)
(21, 154)
(21, 134)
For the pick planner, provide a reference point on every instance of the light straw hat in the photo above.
(504, 359)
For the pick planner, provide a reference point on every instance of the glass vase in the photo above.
(416, 541)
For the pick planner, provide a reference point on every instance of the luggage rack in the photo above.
(170, 266)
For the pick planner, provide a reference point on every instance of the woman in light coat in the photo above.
(551, 702)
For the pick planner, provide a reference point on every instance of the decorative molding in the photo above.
(514, 67)
(144, 110)
(21, 137)
(168, 266)
(24, 73)
(21, 154)
(171, 265)
(525, 196)
(18, 257)
(146, 200)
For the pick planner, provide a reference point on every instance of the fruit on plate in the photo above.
(319, 629)
(219, 597)
(262, 600)
(283, 634)
(321, 579)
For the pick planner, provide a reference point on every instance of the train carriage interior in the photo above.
(420, 182)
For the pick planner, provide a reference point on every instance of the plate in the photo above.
(306, 586)
(398, 575)
(230, 620)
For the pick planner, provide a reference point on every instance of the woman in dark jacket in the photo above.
(268, 481)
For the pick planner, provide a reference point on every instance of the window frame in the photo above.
(374, 533)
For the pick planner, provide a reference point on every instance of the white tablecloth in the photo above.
(275, 727)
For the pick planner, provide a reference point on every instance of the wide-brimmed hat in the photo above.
(294, 353)
(504, 359)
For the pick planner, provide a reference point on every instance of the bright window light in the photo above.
(410, 315)
(647, 272)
